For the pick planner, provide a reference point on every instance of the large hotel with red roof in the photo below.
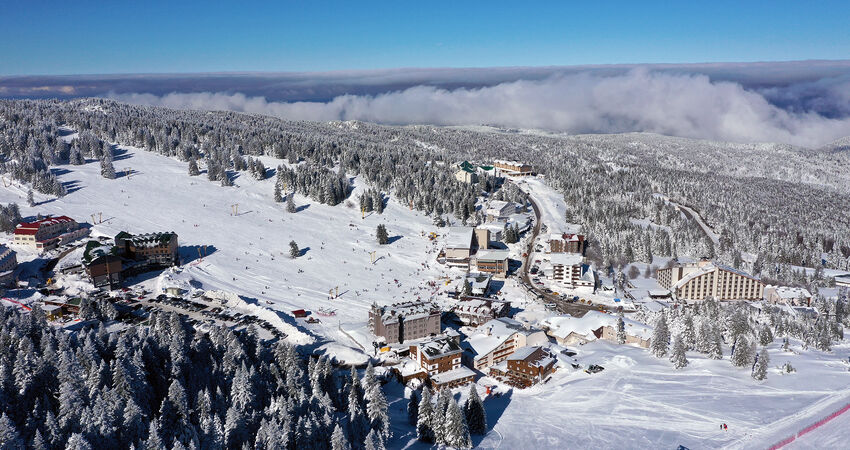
(48, 233)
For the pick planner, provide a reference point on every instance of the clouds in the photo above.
(809, 113)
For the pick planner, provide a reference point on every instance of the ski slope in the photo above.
(248, 253)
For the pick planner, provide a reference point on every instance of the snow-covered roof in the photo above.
(459, 237)
(408, 310)
(479, 282)
(561, 326)
(566, 259)
(484, 306)
(492, 255)
(496, 207)
(439, 346)
(788, 293)
(452, 375)
(522, 353)
(490, 335)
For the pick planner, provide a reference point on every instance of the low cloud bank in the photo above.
(684, 105)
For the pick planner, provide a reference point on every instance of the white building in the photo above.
(569, 330)
(703, 279)
(498, 339)
(569, 270)
(499, 210)
(792, 296)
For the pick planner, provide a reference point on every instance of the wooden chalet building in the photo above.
(151, 249)
(566, 243)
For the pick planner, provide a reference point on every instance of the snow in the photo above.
(551, 204)
(248, 254)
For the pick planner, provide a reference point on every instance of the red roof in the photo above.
(30, 228)
(299, 313)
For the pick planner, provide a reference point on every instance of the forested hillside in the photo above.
(769, 206)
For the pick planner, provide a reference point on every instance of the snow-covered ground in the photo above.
(248, 253)
(638, 401)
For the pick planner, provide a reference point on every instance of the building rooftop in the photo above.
(439, 346)
(452, 375)
(459, 237)
(492, 255)
(147, 239)
(566, 259)
(561, 326)
(408, 310)
(787, 292)
(490, 335)
(32, 227)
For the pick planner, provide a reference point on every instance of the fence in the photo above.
(810, 428)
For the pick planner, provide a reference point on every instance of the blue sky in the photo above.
(51, 37)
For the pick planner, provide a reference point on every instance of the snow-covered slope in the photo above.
(248, 253)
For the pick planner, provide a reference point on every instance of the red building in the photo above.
(48, 233)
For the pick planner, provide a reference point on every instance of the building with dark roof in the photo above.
(152, 249)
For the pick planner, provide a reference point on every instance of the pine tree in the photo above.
(621, 328)
(660, 337)
(193, 168)
(107, 170)
(290, 204)
(294, 251)
(338, 439)
(381, 234)
(424, 427)
(760, 371)
(377, 411)
(30, 199)
(677, 356)
(765, 335)
(413, 408)
(688, 333)
(77, 442)
(456, 432)
(742, 354)
(374, 441)
(467, 288)
(9, 437)
(473, 411)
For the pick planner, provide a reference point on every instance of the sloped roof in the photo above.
(459, 237)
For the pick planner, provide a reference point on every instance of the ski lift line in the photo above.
(17, 303)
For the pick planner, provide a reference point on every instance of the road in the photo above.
(573, 309)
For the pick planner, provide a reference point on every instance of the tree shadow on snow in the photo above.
(71, 186)
(304, 251)
(59, 171)
(495, 407)
(190, 253)
(120, 154)
(391, 240)
(302, 207)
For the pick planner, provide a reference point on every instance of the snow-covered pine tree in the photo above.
(688, 333)
(377, 411)
(424, 422)
(107, 170)
(621, 328)
(760, 370)
(382, 235)
(456, 431)
(193, 168)
(374, 441)
(473, 410)
(294, 251)
(765, 336)
(677, 355)
(290, 203)
(338, 439)
(742, 354)
(660, 337)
